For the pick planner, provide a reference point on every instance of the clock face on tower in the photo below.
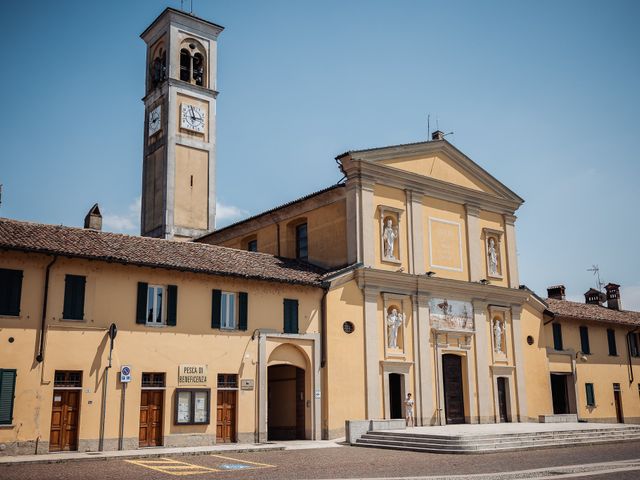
(154, 120)
(192, 118)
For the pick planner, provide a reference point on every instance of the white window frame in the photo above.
(163, 306)
(227, 323)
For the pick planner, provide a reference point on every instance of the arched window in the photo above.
(198, 68)
(158, 69)
(185, 65)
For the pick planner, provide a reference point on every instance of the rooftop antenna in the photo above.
(0, 194)
(191, 11)
(429, 127)
(596, 271)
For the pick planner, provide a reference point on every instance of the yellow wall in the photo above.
(344, 378)
(602, 370)
(326, 231)
(536, 369)
(191, 188)
(82, 345)
(441, 248)
(439, 167)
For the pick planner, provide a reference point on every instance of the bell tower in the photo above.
(178, 173)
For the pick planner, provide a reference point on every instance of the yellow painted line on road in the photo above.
(173, 467)
(261, 465)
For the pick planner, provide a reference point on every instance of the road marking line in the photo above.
(173, 467)
(261, 465)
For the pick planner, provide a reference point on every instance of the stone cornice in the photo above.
(370, 279)
(376, 173)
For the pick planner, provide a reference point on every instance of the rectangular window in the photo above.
(74, 297)
(155, 305)
(66, 378)
(591, 397)
(7, 391)
(252, 246)
(302, 252)
(153, 380)
(192, 406)
(228, 310)
(611, 338)
(634, 344)
(584, 340)
(557, 336)
(290, 316)
(227, 381)
(10, 291)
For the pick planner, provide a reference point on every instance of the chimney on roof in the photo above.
(613, 296)
(437, 135)
(93, 220)
(594, 297)
(556, 292)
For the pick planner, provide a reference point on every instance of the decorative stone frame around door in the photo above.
(505, 371)
(402, 368)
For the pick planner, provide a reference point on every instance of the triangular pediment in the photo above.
(441, 161)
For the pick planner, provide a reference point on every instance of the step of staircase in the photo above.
(496, 442)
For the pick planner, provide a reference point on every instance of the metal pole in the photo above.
(112, 334)
(122, 405)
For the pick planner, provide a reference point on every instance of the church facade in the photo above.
(403, 278)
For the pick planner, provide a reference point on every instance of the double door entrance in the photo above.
(226, 416)
(151, 415)
(64, 420)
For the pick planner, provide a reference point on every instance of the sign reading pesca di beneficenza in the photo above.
(192, 375)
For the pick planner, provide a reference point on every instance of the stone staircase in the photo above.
(493, 443)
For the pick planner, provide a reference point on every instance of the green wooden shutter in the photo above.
(216, 308)
(591, 398)
(141, 308)
(611, 338)
(584, 340)
(290, 316)
(7, 389)
(557, 336)
(74, 287)
(243, 298)
(172, 305)
(10, 291)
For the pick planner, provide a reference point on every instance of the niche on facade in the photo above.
(389, 233)
(395, 324)
(498, 333)
(493, 239)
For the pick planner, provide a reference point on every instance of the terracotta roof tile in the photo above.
(585, 311)
(153, 252)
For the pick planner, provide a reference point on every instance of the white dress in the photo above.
(409, 403)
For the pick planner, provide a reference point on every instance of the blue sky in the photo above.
(544, 95)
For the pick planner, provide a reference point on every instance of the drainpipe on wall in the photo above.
(631, 376)
(40, 356)
(323, 327)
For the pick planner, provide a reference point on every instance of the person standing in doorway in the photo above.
(408, 403)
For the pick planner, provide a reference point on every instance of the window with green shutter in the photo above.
(557, 336)
(584, 340)
(74, 286)
(7, 389)
(10, 291)
(290, 316)
(591, 398)
(611, 339)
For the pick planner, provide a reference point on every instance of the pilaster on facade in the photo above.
(474, 242)
(483, 375)
(417, 262)
(512, 252)
(372, 354)
(518, 358)
(367, 234)
(354, 220)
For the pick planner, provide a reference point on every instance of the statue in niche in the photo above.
(389, 235)
(498, 331)
(394, 321)
(493, 257)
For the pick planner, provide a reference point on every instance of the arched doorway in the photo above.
(453, 388)
(285, 403)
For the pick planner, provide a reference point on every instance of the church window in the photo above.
(185, 65)
(158, 69)
(302, 242)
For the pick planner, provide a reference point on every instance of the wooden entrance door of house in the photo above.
(502, 399)
(395, 395)
(559, 393)
(151, 415)
(617, 400)
(226, 416)
(64, 420)
(453, 390)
